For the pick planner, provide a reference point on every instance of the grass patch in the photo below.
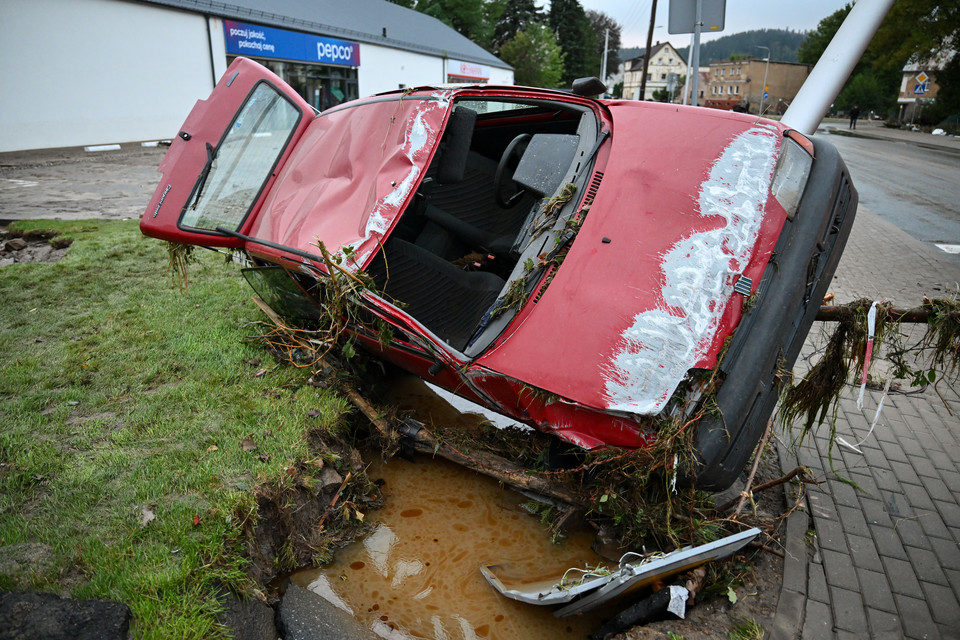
(125, 406)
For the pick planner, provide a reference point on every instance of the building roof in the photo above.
(935, 61)
(361, 20)
(636, 64)
(741, 61)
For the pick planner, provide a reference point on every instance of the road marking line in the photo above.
(949, 248)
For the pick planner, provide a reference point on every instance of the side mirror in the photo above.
(588, 87)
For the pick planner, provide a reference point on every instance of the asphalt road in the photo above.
(914, 187)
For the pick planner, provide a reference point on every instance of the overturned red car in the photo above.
(576, 264)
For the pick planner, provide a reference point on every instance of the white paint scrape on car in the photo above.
(699, 272)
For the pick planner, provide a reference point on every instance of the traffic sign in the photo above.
(919, 89)
(683, 15)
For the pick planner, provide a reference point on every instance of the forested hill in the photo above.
(783, 46)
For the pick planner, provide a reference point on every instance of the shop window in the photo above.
(323, 86)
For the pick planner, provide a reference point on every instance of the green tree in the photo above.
(492, 11)
(919, 29)
(948, 99)
(924, 31)
(577, 39)
(913, 29)
(817, 40)
(599, 24)
(474, 19)
(536, 57)
(873, 83)
(868, 90)
(516, 15)
(465, 16)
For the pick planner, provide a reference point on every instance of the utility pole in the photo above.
(695, 63)
(603, 63)
(646, 57)
(689, 16)
(763, 92)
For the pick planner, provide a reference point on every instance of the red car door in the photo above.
(226, 156)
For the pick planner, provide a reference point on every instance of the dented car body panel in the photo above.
(322, 194)
(575, 264)
(676, 260)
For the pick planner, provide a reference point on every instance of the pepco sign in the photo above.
(254, 40)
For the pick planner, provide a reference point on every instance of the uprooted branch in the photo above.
(802, 471)
(489, 464)
(935, 355)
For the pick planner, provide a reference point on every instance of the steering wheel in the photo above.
(503, 182)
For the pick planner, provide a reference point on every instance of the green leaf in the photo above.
(731, 595)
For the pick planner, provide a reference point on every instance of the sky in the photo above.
(741, 15)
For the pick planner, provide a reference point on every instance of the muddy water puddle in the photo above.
(417, 574)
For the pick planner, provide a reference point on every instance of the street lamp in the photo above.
(763, 89)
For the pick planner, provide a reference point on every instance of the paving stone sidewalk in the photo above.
(881, 560)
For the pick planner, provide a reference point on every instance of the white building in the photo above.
(86, 72)
(664, 61)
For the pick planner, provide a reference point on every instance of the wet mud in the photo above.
(72, 184)
(417, 573)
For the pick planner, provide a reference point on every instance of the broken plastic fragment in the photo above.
(678, 600)
(598, 586)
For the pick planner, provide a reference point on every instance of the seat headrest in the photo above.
(456, 145)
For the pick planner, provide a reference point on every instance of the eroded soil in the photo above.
(16, 248)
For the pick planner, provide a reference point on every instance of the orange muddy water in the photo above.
(417, 574)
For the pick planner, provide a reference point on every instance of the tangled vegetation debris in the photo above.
(933, 357)
(630, 496)
(633, 492)
(179, 258)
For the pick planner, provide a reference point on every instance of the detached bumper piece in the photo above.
(582, 590)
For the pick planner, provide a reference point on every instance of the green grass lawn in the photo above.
(123, 405)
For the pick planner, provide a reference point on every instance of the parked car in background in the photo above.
(583, 266)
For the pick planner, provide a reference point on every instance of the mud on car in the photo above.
(580, 265)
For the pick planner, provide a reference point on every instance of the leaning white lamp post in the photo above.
(838, 60)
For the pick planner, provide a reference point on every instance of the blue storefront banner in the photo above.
(244, 39)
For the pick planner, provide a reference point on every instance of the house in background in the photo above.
(664, 60)
(918, 86)
(740, 84)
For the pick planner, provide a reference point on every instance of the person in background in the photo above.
(854, 114)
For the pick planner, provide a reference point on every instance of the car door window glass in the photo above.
(240, 165)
